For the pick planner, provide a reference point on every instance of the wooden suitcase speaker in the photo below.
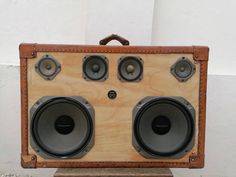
(113, 106)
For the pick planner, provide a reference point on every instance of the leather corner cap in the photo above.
(28, 161)
(27, 51)
(197, 161)
(200, 53)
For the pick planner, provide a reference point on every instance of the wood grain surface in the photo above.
(113, 118)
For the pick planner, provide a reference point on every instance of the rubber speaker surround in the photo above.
(163, 127)
(95, 67)
(130, 68)
(61, 127)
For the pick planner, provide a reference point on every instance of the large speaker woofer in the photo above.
(183, 69)
(163, 127)
(47, 67)
(62, 127)
(130, 68)
(95, 67)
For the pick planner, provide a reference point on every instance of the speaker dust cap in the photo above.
(163, 127)
(183, 69)
(95, 67)
(48, 67)
(62, 127)
(130, 68)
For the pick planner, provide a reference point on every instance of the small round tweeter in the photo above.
(163, 127)
(47, 67)
(62, 127)
(95, 67)
(130, 68)
(183, 69)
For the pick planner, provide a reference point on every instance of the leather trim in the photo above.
(198, 161)
(27, 49)
(24, 106)
(200, 55)
(110, 164)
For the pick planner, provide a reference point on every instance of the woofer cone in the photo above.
(130, 68)
(95, 67)
(163, 127)
(62, 127)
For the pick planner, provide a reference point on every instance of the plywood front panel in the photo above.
(113, 118)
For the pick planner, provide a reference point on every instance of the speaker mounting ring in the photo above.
(83, 148)
(127, 71)
(99, 70)
(184, 72)
(54, 64)
(139, 144)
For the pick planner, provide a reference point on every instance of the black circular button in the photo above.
(112, 94)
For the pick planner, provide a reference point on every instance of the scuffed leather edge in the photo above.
(27, 51)
(198, 160)
(28, 161)
(24, 106)
(200, 53)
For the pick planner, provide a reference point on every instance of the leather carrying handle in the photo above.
(107, 39)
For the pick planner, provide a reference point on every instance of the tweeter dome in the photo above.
(149, 112)
(183, 69)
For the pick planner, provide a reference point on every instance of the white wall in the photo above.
(71, 22)
(176, 22)
(202, 22)
(131, 19)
